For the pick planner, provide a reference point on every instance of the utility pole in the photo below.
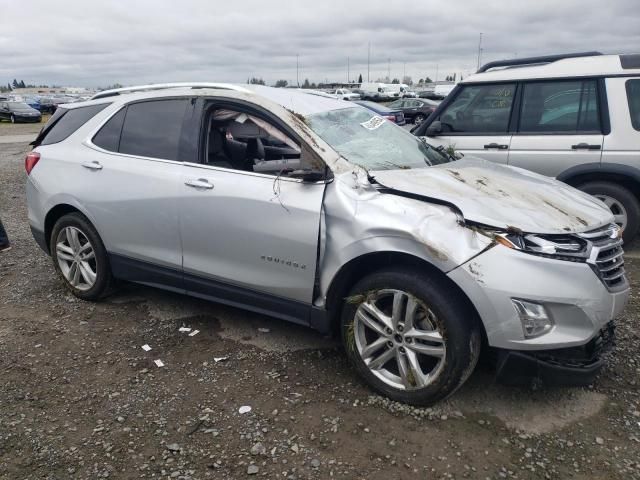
(369, 63)
(436, 72)
(297, 70)
(404, 71)
(479, 50)
(348, 69)
(389, 70)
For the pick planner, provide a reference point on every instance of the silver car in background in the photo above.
(322, 213)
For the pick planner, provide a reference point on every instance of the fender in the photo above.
(600, 168)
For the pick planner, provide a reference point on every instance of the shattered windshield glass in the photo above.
(368, 140)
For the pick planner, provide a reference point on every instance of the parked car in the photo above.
(18, 112)
(575, 117)
(48, 105)
(402, 89)
(33, 102)
(378, 92)
(431, 95)
(394, 115)
(414, 260)
(415, 111)
(345, 94)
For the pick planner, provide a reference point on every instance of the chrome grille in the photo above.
(607, 255)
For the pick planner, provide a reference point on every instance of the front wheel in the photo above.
(623, 204)
(80, 258)
(409, 336)
(419, 119)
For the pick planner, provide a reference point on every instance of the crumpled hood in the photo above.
(501, 196)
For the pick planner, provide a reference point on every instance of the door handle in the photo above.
(496, 146)
(199, 183)
(585, 146)
(92, 165)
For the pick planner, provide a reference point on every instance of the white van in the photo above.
(402, 89)
(378, 91)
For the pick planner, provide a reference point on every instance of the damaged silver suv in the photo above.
(322, 213)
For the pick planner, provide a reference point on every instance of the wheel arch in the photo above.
(53, 215)
(624, 175)
(368, 263)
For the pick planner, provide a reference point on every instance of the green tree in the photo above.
(15, 83)
(256, 81)
(21, 84)
(360, 78)
(306, 83)
(395, 81)
(281, 83)
(428, 80)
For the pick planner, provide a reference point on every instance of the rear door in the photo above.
(558, 126)
(476, 122)
(130, 186)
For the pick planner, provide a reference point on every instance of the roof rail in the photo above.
(534, 60)
(162, 86)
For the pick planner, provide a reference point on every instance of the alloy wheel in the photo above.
(399, 339)
(76, 258)
(618, 210)
(418, 120)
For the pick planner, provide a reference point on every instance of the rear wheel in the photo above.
(623, 204)
(409, 336)
(80, 258)
(419, 119)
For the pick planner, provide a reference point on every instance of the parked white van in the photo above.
(378, 91)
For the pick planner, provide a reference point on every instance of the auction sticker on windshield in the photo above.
(373, 123)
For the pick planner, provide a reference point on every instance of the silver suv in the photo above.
(574, 117)
(322, 213)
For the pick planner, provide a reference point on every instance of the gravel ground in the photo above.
(81, 399)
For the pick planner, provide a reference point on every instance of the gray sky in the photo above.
(97, 43)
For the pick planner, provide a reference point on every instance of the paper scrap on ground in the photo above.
(220, 359)
(194, 333)
(146, 347)
(264, 330)
(159, 363)
(244, 409)
(184, 329)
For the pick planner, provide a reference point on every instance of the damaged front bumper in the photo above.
(574, 366)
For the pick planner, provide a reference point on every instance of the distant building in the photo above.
(50, 91)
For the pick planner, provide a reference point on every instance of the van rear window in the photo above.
(66, 121)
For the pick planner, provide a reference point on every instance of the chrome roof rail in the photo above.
(162, 86)
(534, 60)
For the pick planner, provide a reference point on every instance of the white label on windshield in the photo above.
(373, 123)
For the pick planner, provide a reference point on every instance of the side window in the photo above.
(67, 121)
(241, 141)
(481, 109)
(557, 107)
(633, 97)
(152, 128)
(108, 137)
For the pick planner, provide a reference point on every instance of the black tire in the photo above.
(626, 198)
(418, 119)
(457, 324)
(104, 280)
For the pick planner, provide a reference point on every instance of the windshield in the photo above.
(368, 140)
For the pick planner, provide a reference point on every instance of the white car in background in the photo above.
(345, 94)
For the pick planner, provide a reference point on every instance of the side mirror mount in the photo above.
(310, 175)
(434, 129)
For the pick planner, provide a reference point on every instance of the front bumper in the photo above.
(573, 295)
(575, 366)
(28, 118)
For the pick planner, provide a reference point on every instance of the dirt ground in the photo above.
(80, 398)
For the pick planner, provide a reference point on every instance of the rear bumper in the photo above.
(575, 366)
(39, 237)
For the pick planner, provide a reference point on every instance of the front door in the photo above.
(249, 232)
(558, 128)
(476, 122)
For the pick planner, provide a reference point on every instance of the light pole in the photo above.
(388, 70)
(369, 63)
(479, 50)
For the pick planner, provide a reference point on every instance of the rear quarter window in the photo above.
(633, 97)
(66, 121)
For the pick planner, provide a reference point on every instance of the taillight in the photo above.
(391, 117)
(30, 161)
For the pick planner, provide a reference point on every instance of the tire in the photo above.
(13, 119)
(66, 252)
(442, 325)
(419, 119)
(621, 201)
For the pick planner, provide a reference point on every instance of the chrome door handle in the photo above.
(199, 183)
(585, 146)
(496, 146)
(92, 165)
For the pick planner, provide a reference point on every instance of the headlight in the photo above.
(568, 247)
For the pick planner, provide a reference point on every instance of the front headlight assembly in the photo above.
(566, 247)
